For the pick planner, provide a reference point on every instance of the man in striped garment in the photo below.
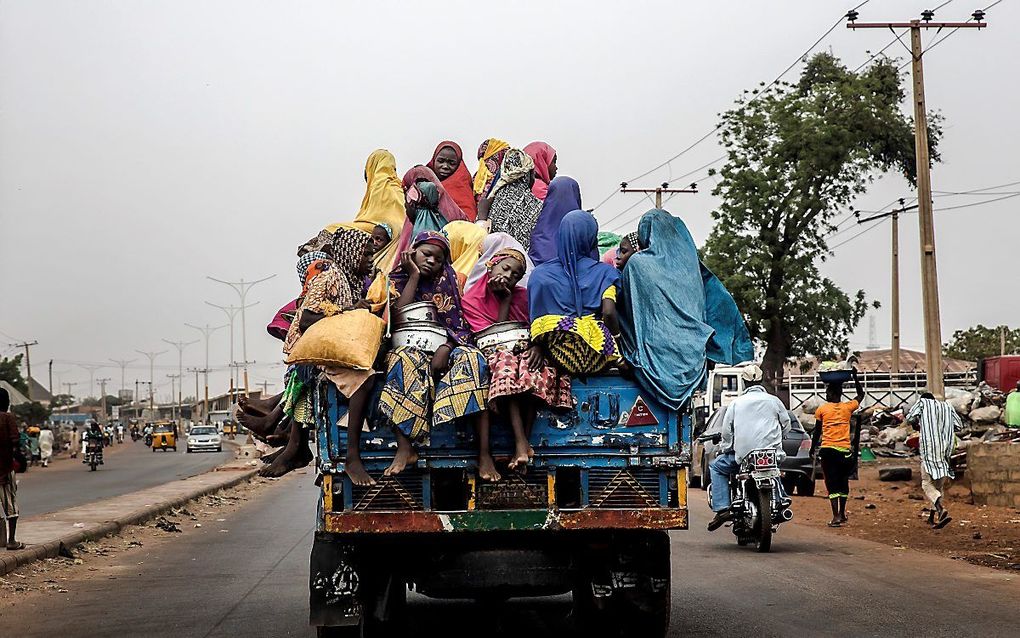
(938, 424)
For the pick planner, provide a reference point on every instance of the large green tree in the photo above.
(797, 155)
(980, 342)
(10, 371)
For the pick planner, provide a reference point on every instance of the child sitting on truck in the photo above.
(423, 388)
(519, 379)
(572, 301)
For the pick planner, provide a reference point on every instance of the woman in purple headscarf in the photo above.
(563, 196)
(425, 389)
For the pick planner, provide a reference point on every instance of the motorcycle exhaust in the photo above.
(786, 515)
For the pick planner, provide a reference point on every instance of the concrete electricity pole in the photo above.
(123, 363)
(180, 345)
(175, 410)
(242, 288)
(205, 406)
(895, 302)
(28, 362)
(231, 312)
(664, 188)
(207, 332)
(929, 274)
(152, 357)
(92, 377)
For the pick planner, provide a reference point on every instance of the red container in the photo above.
(1001, 372)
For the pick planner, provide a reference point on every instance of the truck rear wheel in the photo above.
(354, 631)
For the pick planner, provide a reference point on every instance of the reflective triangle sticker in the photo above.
(640, 414)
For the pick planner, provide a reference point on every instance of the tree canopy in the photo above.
(797, 155)
(10, 371)
(980, 342)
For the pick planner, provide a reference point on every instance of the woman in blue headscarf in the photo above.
(572, 301)
(563, 196)
(675, 314)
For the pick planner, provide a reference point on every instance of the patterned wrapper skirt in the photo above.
(414, 402)
(579, 346)
(512, 376)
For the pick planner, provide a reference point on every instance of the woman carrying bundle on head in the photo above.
(423, 388)
(520, 382)
(333, 339)
(511, 206)
(572, 301)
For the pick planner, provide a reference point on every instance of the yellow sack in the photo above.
(348, 340)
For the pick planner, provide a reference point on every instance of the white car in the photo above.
(204, 437)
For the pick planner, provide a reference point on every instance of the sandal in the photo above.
(834, 524)
(15, 546)
(944, 520)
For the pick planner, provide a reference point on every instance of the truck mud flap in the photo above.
(334, 585)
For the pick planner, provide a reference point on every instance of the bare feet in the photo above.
(285, 463)
(259, 406)
(406, 455)
(521, 457)
(269, 458)
(487, 468)
(357, 473)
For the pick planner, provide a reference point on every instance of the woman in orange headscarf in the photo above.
(383, 203)
(448, 164)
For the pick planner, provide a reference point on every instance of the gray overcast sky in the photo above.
(145, 144)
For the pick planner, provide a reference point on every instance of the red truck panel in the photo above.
(1002, 372)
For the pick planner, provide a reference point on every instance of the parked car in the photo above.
(204, 437)
(795, 468)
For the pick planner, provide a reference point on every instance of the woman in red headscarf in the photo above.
(545, 167)
(448, 164)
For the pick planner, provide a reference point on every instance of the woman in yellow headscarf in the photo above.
(383, 203)
(490, 157)
(465, 248)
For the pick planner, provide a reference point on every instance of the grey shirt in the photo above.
(754, 420)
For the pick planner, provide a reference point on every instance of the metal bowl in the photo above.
(423, 335)
(505, 335)
(417, 311)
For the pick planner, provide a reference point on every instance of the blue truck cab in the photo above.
(588, 517)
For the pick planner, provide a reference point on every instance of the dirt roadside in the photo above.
(896, 513)
(51, 577)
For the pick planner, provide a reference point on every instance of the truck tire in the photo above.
(353, 631)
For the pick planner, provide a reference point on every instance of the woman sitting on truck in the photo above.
(334, 290)
(511, 206)
(423, 389)
(572, 301)
(519, 380)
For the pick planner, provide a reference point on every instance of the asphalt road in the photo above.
(128, 467)
(251, 581)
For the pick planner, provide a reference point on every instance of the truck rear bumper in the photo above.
(480, 521)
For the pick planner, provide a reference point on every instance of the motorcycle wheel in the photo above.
(763, 536)
(92, 466)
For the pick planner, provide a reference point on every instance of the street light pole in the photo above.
(92, 377)
(206, 332)
(180, 345)
(123, 363)
(152, 357)
(231, 312)
(242, 288)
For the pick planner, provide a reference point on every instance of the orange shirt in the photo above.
(835, 418)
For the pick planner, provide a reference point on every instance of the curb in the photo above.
(9, 561)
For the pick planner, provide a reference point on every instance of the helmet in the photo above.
(752, 374)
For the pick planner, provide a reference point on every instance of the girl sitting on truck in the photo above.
(572, 301)
(423, 389)
(519, 380)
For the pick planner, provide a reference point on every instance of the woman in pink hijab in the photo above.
(545, 167)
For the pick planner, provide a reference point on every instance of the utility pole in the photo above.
(663, 188)
(205, 406)
(51, 380)
(265, 387)
(929, 273)
(231, 312)
(180, 345)
(175, 413)
(1002, 341)
(69, 385)
(207, 332)
(242, 288)
(28, 362)
(102, 401)
(152, 357)
(92, 377)
(123, 363)
(895, 304)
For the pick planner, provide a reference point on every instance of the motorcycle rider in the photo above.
(753, 421)
(94, 436)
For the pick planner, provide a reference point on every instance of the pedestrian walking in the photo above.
(938, 424)
(832, 440)
(45, 446)
(75, 442)
(10, 440)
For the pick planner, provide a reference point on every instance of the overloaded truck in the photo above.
(589, 517)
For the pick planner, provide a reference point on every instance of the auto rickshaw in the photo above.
(230, 429)
(163, 438)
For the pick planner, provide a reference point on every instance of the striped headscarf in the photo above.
(348, 248)
(305, 260)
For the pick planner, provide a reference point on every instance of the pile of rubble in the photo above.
(884, 430)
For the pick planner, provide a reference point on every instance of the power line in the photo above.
(987, 201)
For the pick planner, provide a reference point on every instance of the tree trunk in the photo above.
(774, 361)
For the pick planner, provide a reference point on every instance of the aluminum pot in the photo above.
(423, 335)
(505, 335)
(417, 311)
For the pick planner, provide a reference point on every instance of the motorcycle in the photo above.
(93, 455)
(759, 505)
